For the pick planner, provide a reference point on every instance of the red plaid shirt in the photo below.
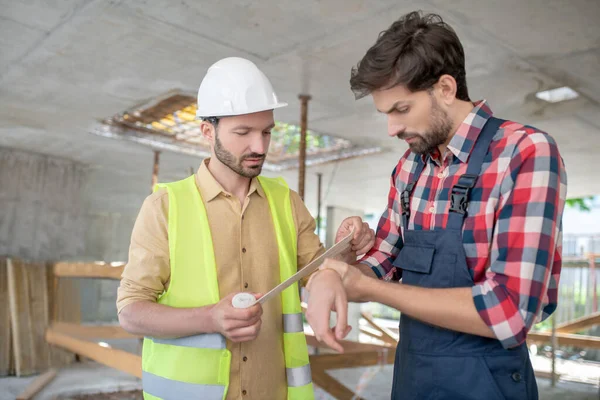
(512, 240)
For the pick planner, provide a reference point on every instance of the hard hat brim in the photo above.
(206, 113)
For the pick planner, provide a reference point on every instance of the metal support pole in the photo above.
(155, 170)
(554, 342)
(304, 98)
(319, 180)
(592, 262)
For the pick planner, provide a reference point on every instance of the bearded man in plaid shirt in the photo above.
(472, 229)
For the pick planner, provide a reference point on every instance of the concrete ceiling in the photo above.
(64, 65)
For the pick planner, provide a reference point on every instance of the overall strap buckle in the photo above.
(459, 200)
(405, 199)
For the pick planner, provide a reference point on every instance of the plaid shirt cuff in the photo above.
(498, 310)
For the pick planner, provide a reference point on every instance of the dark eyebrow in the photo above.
(242, 127)
(249, 128)
(396, 104)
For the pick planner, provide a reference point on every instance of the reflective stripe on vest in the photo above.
(168, 389)
(293, 323)
(205, 341)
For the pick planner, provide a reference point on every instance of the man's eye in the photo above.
(403, 110)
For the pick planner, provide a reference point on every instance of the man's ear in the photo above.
(446, 87)
(208, 131)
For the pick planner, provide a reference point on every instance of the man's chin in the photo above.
(253, 172)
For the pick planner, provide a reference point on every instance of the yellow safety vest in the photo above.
(197, 367)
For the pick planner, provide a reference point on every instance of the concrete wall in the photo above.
(41, 206)
(48, 213)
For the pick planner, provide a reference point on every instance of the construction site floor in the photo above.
(92, 381)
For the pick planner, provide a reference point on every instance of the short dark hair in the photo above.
(414, 52)
(212, 120)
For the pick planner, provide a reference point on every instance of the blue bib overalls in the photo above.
(437, 363)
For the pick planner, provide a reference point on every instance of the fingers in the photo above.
(341, 308)
(245, 314)
(328, 338)
(366, 241)
(245, 334)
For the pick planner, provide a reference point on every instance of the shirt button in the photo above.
(431, 209)
(246, 285)
(516, 376)
(245, 359)
(244, 392)
(244, 250)
(440, 175)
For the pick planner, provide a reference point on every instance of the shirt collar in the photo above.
(464, 139)
(210, 188)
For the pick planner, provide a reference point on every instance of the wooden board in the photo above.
(349, 346)
(329, 384)
(353, 360)
(566, 339)
(386, 335)
(29, 298)
(579, 324)
(113, 358)
(37, 385)
(20, 318)
(64, 305)
(5, 324)
(92, 331)
(88, 270)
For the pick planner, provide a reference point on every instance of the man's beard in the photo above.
(439, 131)
(236, 165)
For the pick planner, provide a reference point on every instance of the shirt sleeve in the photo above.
(309, 244)
(388, 238)
(148, 269)
(525, 239)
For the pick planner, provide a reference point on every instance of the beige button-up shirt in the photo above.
(245, 245)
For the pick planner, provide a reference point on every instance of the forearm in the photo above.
(451, 308)
(157, 320)
(366, 270)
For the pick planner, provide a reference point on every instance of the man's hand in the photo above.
(364, 237)
(327, 294)
(236, 324)
(352, 279)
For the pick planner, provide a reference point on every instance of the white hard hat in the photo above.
(235, 86)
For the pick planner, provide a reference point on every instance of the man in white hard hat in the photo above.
(200, 241)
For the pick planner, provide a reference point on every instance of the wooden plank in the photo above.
(37, 385)
(387, 335)
(5, 323)
(38, 316)
(371, 334)
(29, 304)
(15, 312)
(579, 324)
(353, 360)
(332, 386)
(89, 270)
(113, 358)
(349, 346)
(545, 374)
(92, 331)
(64, 305)
(566, 339)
